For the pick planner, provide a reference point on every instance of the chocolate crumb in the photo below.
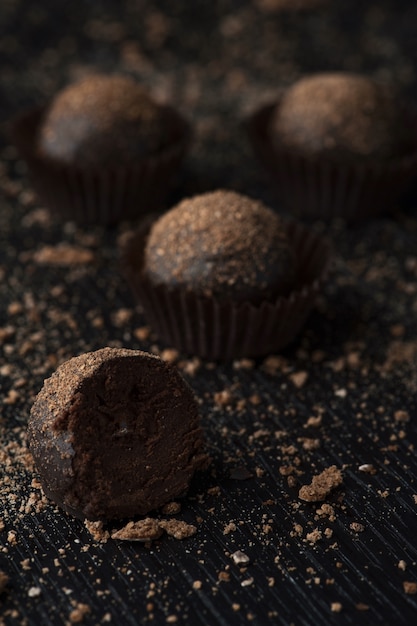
(63, 254)
(410, 587)
(96, 530)
(299, 379)
(240, 557)
(178, 529)
(314, 536)
(229, 528)
(401, 416)
(321, 485)
(171, 508)
(77, 615)
(147, 529)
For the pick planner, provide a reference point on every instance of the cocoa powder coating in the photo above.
(221, 244)
(106, 120)
(343, 117)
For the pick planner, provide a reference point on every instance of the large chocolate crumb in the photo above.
(321, 485)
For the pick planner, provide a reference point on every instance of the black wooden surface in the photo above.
(218, 61)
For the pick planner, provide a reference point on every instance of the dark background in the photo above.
(218, 61)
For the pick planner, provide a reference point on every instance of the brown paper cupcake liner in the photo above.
(319, 188)
(215, 329)
(102, 196)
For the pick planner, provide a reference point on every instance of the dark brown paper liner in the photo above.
(217, 330)
(319, 188)
(97, 196)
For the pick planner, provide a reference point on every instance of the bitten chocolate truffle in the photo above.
(342, 117)
(115, 433)
(221, 244)
(105, 120)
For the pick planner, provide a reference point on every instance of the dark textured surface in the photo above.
(354, 364)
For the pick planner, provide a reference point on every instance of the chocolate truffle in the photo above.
(342, 117)
(221, 244)
(105, 120)
(115, 433)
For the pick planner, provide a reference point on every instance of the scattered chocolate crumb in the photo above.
(309, 443)
(315, 422)
(401, 416)
(178, 529)
(402, 565)
(229, 528)
(299, 379)
(274, 363)
(171, 508)
(410, 587)
(147, 529)
(321, 485)
(314, 536)
(223, 398)
(121, 317)
(360, 606)
(326, 510)
(63, 254)
(78, 614)
(240, 557)
(357, 527)
(169, 355)
(336, 607)
(34, 592)
(142, 333)
(96, 530)
(12, 537)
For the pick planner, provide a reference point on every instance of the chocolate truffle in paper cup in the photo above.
(337, 145)
(222, 276)
(102, 150)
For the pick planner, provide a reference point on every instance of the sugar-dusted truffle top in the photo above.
(106, 119)
(224, 244)
(341, 116)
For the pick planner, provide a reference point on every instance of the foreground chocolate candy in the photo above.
(115, 433)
